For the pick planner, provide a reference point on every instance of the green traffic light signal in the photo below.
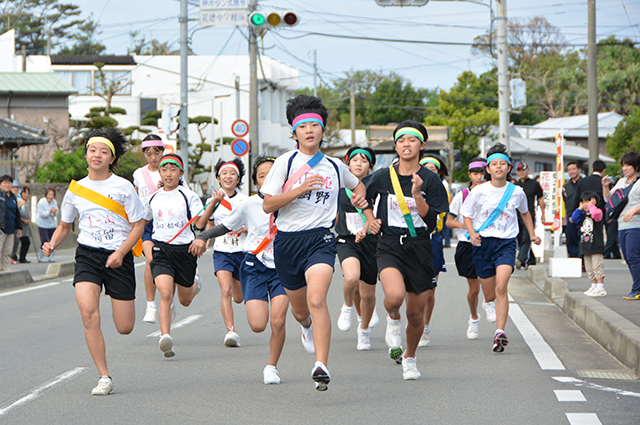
(257, 19)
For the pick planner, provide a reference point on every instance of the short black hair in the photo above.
(5, 178)
(237, 161)
(413, 124)
(588, 195)
(477, 169)
(599, 165)
(261, 159)
(305, 104)
(443, 171)
(372, 162)
(574, 163)
(117, 139)
(499, 148)
(631, 158)
(152, 136)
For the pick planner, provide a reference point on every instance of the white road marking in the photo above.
(581, 383)
(583, 419)
(31, 288)
(569, 395)
(545, 356)
(177, 325)
(38, 391)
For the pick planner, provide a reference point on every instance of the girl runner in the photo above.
(357, 259)
(110, 224)
(227, 251)
(258, 276)
(145, 180)
(463, 256)
(171, 209)
(437, 166)
(490, 218)
(304, 247)
(408, 200)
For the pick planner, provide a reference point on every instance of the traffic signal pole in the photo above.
(254, 146)
(183, 136)
(503, 74)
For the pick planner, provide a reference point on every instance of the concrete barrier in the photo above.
(15, 278)
(64, 268)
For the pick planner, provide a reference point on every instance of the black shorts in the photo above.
(119, 283)
(364, 251)
(410, 256)
(464, 260)
(175, 261)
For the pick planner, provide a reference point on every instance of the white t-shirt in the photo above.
(230, 242)
(141, 184)
(250, 213)
(100, 227)
(484, 199)
(317, 208)
(168, 210)
(454, 209)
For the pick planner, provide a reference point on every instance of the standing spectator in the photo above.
(15, 189)
(629, 220)
(9, 221)
(571, 229)
(47, 211)
(532, 190)
(24, 205)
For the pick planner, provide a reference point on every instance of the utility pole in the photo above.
(353, 112)
(238, 97)
(183, 135)
(47, 31)
(315, 72)
(254, 146)
(503, 73)
(592, 84)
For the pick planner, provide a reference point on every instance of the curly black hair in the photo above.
(304, 104)
(499, 148)
(116, 137)
(237, 161)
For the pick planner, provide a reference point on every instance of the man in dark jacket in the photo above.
(572, 230)
(10, 222)
(533, 192)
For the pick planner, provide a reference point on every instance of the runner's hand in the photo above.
(198, 247)
(115, 260)
(359, 201)
(47, 249)
(476, 240)
(314, 182)
(536, 240)
(416, 182)
(374, 226)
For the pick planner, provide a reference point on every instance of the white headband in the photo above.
(229, 165)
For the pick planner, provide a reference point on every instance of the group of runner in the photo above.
(277, 247)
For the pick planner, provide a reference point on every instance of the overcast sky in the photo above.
(425, 65)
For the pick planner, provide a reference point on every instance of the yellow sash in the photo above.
(401, 201)
(107, 203)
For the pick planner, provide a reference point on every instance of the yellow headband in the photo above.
(99, 139)
(411, 131)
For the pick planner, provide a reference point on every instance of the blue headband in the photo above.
(309, 117)
(498, 156)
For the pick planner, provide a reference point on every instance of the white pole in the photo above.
(213, 141)
(503, 73)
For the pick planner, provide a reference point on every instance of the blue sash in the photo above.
(499, 209)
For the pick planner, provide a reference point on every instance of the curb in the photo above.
(14, 278)
(616, 334)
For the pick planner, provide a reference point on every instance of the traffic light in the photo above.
(273, 19)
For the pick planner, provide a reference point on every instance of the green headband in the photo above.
(431, 160)
(363, 152)
(411, 131)
(171, 161)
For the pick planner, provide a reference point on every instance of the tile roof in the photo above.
(15, 133)
(34, 82)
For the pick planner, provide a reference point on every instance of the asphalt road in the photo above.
(46, 373)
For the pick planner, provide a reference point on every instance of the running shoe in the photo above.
(409, 369)
(307, 338)
(270, 375)
(597, 293)
(232, 339)
(151, 315)
(499, 342)
(344, 320)
(589, 291)
(392, 336)
(166, 345)
(104, 387)
(425, 339)
(490, 310)
(320, 375)
(375, 319)
(473, 330)
(364, 339)
(196, 281)
(396, 354)
(633, 296)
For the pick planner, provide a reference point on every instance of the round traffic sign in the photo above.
(240, 128)
(239, 147)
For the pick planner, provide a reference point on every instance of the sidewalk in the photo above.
(27, 273)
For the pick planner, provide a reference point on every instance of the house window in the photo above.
(118, 81)
(543, 166)
(147, 105)
(80, 80)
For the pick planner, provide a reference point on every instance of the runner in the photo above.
(408, 200)
(357, 259)
(227, 251)
(463, 256)
(490, 217)
(258, 276)
(110, 224)
(171, 210)
(304, 187)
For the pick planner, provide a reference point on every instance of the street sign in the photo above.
(223, 4)
(240, 128)
(239, 147)
(402, 3)
(222, 17)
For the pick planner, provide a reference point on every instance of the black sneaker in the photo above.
(499, 342)
(320, 376)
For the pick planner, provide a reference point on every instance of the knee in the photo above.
(317, 302)
(278, 323)
(366, 297)
(351, 279)
(90, 318)
(393, 302)
(415, 318)
(257, 326)
(124, 329)
(186, 301)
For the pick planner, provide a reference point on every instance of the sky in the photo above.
(425, 65)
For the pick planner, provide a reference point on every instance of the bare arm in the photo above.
(474, 237)
(542, 207)
(58, 236)
(453, 224)
(526, 217)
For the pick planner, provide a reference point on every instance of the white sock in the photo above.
(151, 304)
(593, 286)
(498, 331)
(600, 286)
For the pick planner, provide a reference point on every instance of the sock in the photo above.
(600, 286)
(498, 331)
(151, 304)
(593, 286)
(475, 321)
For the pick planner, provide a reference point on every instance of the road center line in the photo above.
(585, 384)
(583, 419)
(38, 391)
(183, 322)
(31, 288)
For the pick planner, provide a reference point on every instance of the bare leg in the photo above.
(351, 271)
(88, 299)
(279, 307)
(367, 302)
(415, 324)
(472, 297)
(394, 291)
(318, 279)
(227, 293)
(503, 274)
(149, 286)
(166, 287)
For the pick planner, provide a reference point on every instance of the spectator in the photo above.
(9, 221)
(24, 205)
(572, 230)
(532, 190)
(15, 189)
(47, 211)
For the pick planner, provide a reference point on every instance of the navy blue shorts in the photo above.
(148, 231)
(295, 252)
(438, 253)
(258, 281)
(229, 261)
(493, 252)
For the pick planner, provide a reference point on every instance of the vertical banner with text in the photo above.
(559, 215)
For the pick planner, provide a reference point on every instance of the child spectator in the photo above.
(589, 217)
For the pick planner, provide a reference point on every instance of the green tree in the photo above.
(153, 47)
(618, 75)
(64, 167)
(626, 137)
(195, 156)
(83, 39)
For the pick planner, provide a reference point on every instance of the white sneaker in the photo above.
(232, 339)
(392, 335)
(473, 329)
(307, 339)
(490, 309)
(409, 369)
(151, 315)
(374, 318)
(364, 339)
(104, 387)
(320, 375)
(597, 293)
(589, 291)
(270, 375)
(196, 281)
(344, 320)
(425, 339)
(166, 345)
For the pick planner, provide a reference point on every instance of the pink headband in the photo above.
(477, 164)
(229, 165)
(306, 118)
(151, 143)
